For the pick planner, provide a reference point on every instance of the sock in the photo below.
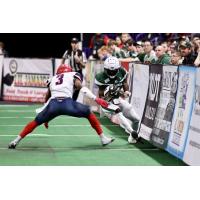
(28, 128)
(95, 124)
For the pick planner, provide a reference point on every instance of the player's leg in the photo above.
(129, 112)
(77, 109)
(46, 115)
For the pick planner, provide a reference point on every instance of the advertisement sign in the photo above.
(182, 112)
(192, 149)
(26, 79)
(164, 114)
(155, 78)
(139, 87)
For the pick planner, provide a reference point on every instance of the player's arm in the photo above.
(48, 95)
(101, 91)
(88, 93)
(126, 88)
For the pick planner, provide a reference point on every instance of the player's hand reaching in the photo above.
(101, 102)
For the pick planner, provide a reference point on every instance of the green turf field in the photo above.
(71, 142)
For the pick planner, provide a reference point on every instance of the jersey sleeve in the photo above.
(100, 80)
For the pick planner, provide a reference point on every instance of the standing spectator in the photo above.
(185, 48)
(176, 58)
(125, 37)
(119, 42)
(2, 50)
(162, 57)
(97, 41)
(150, 56)
(75, 56)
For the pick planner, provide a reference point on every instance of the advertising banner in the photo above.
(25, 79)
(192, 149)
(164, 114)
(155, 78)
(182, 112)
(138, 85)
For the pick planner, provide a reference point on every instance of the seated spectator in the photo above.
(97, 41)
(114, 50)
(150, 56)
(131, 54)
(165, 47)
(162, 57)
(187, 53)
(140, 51)
(197, 60)
(195, 42)
(176, 58)
(103, 53)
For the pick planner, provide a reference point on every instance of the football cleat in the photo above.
(12, 145)
(105, 140)
(131, 140)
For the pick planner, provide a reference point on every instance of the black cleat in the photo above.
(12, 145)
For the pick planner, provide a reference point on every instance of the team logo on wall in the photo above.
(13, 67)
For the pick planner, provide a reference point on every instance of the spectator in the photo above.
(162, 57)
(125, 37)
(119, 42)
(104, 53)
(185, 48)
(114, 50)
(140, 51)
(2, 50)
(197, 60)
(176, 58)
(131, 54)
(150, 56)
(75, 56)
(165, 47)
(97, 41)
(195, 43)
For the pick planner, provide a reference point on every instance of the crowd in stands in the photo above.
(148, 48)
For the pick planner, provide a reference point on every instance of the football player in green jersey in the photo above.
(113, 87)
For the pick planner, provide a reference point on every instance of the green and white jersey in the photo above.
(103, 80)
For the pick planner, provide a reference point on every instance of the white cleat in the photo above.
(106, 140)
(131, 140)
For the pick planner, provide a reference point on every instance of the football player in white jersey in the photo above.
(59, 102)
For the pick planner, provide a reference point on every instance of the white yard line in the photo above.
(82, 148)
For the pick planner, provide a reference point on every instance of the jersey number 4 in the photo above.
(60, 79)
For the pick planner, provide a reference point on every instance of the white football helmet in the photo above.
(111, 66)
